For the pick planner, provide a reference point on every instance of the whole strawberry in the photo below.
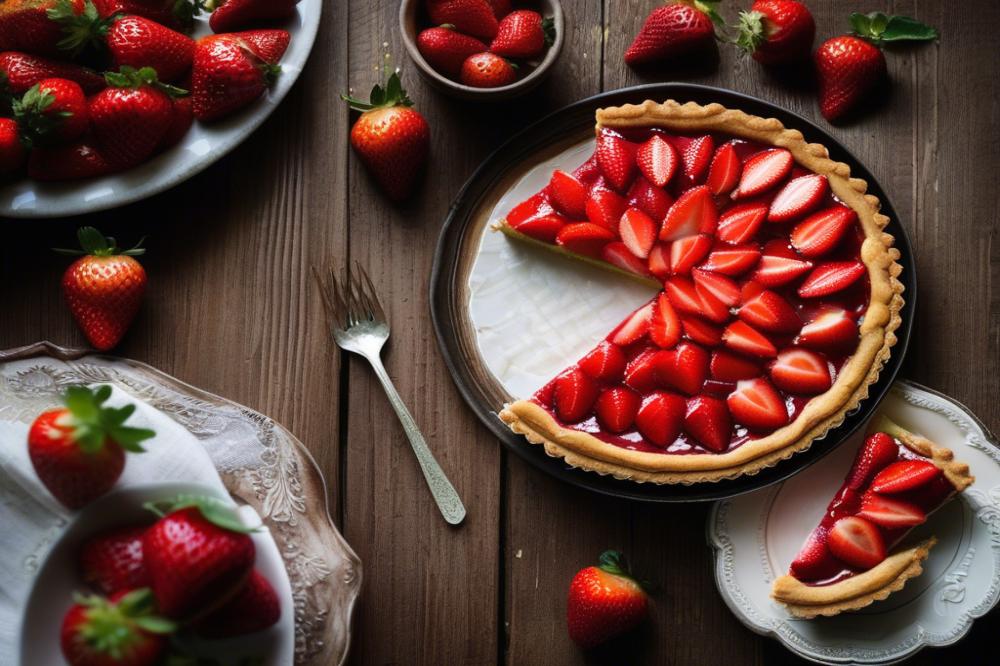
(391, 138)
(487, 70)
(471, 17)
(777, 32)
(112, 562)
(52, 111)
(23, 70)
(446, 49)
(851, 66)
(198, 556)
(254, 608)
(232, 15)
(183, 118)
(78, 451)
(229, 73)
(604, 602)
(523, 34)
(670, 31)
(12, 150)
(176, 14)
(121, 631)
(74, 161)
(103, 288)
(25, 25)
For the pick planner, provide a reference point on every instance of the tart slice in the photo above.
(897, 480)
(777, 297)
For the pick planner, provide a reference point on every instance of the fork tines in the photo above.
(352, 301)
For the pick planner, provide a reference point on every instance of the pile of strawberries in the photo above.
(93, 87)
(483, 43)
(190, 572)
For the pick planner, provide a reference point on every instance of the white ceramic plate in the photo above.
(756, 536)
(58, 579)
(202, 146)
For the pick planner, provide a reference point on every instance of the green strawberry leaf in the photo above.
(94, 243)
(549, 28)
(214, 510)
(94, 423)
(391, 95)
(879, 28)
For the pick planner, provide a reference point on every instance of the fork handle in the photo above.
(444, 493)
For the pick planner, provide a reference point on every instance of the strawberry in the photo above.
(175, 14)
(232, 15)
(487, 70)
(617, 254)
(694, 212)
(762, 171)
(686, 252)
(856, 542)
(683, 295)
(724, 171)
(78, 450)
(634, 327)
(777, 32)
(701, 332)
(798, 197)
(182, 119)
(742, 338)
(23, 70)
(604, 601)
(830, 278)
(574, 395)
(661, 417)
(545, 228)
(657, 160)
(228, 74)
(707, 420)
(757, 405)
(891, 513)
(532, 207)
(523, 34)
(718, 287)
(198, 555)
(670, 31)
(131, 116)
(616, 408)
(659, 260)
(52, 111)
(471, 17)
(584, 238)
(832, 329)
(500, 7)
(770, 312)
(877, 452)
(740, 223)
(774, 271)
(820, 232)
(684, 368)
(728, 367)
(74, 161)
(814, 562)
(732, 260)
(25, 25)
(391, 138)
(445, 49)
(904, 475)
(696, 155)
(120, 631)
(641, 373)
(103, 288)
(605, 362)
(605, 208)
(800, 371)
(112, 562)
(616, 157)
(638, 231)
(664, 327)
(254, 608)
(268, 45)
(568, 195)
(12, 150)
(648, 198)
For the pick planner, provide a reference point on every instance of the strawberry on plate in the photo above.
(254, 608)
(228, 73)
(233, 15)
(445, 49)
(487, 70)
(523, 34)
(575, 393)
(470, 17)
(52, 111)
(777, 32)
(74, 161)
(670, 31)
(121, 631)
(175, 14)
(25, 25)
(604, 601)
(661, 417)
(20, 71)
(112, 561)
(12, 152)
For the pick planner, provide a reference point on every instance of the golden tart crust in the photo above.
(877, 332)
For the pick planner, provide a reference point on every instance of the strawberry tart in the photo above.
(777, 305)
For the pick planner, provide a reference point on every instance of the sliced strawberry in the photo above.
(798, 197)
(657, 160)
(856, 542)
(740, 223)
(694, 212)
(762, 171)
(814, 561)
(684, 368)
(724, 171)
(682, 294)
(605, 208)
(742, 338)
(530, 208)
(719, 286)
(707, 420)
(634, 327)
(820, 232)
(618, 254)
(700, 331)
(696, 153)
(712, 308)
(878, 451)
(660, 418)
(588, 172)
(616, 157)
(686, 252)
(605, 362)
(545, 228)
(904, 475)
(638, 231)
(574, 395)
(616, 408)
(774, 271)
(729, 367)
(650, 199)
(659, 260)
(641, 372)
(891, 513)
(830, 278)
(732, 260)
(749, 290)
(568, 194)
(665, 327)
(757, 405)
(801, 372)
(770, 312)
(833, 328)
(584, 238)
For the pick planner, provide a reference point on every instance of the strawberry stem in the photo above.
(130, 77)
(391, 95)
(750, 31)
(30, 112)
(82, 31)
(95, 244)
(111, 628)
(878, 28)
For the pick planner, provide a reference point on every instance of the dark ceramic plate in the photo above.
(468, 219)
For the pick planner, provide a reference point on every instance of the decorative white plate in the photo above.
(202, 146)
(756, 536)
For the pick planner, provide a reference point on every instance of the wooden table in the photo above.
(232, 309)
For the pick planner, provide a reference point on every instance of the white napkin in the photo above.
(31, 519)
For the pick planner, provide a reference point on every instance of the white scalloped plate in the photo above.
(755, 536)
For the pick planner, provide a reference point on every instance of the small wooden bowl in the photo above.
(410, 13)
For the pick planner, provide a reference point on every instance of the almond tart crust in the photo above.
(825, 411)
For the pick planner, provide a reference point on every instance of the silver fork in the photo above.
(360, 326)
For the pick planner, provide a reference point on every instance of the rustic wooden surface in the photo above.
(232, 309)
